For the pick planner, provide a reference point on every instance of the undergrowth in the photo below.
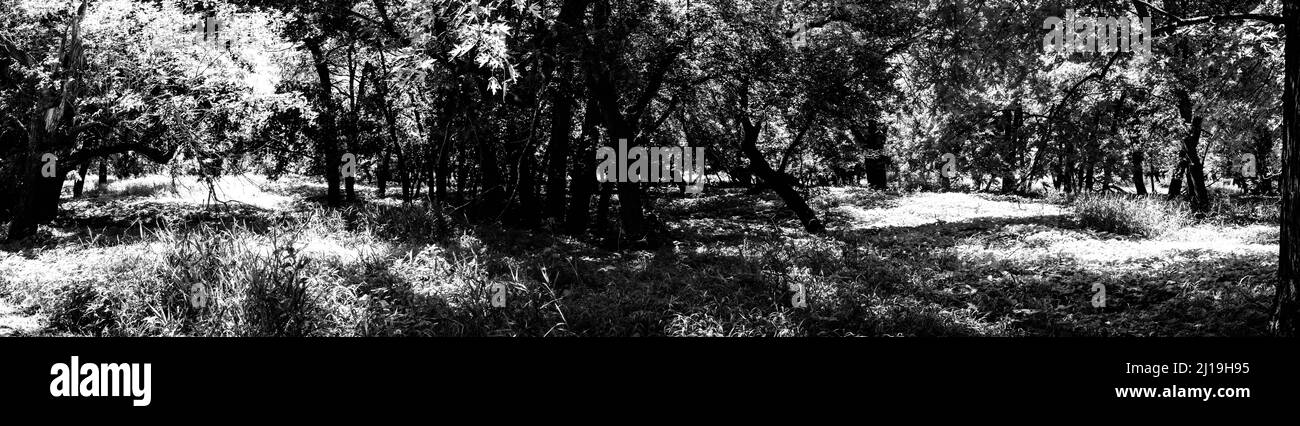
(392, 270)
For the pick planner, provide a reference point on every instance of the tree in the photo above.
(1286, 306)
(70, 94)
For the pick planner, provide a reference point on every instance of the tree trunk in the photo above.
(49, 133)
(526, 188)
(1089, 173)
(569, 22)
(24, 222)
(403, 173)
(80, 184)
(1135, 163)
(630, 213)
(350, 186)
(441, 169)
(1155, 178)
(631, 216)
(327, 142)
(1286, 307)
(582, 174)
(1068, 169)
(1009, 182)
(1176, 179)
(102, 184)
(1195, 169)
(382, 175)
(602, 209)
(37, 195)
(557, 162)
(876, 162)
(493, 196)
(354, 119)
(759, 166)
(1011, 155)
(1263, 150)
(794, 147)
(1106, 176)
(461, 171)
(600, 68)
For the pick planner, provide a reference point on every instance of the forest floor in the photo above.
(147, 258)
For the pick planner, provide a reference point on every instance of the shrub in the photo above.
(1131, 215)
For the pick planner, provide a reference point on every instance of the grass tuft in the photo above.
(1150, 217)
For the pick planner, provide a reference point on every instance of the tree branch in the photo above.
(1167, 29)
(1179, 22)
(153, 154)
(21, 127)
(794, 145)
(86, 126)
(672, 105)
(656, 80)
(8, 49)
(387, 23)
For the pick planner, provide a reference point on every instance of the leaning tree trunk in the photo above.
(1286, 307)
(759, 166)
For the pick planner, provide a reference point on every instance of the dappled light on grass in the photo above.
(891, 265)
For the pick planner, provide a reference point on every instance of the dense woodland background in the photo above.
(199, 156)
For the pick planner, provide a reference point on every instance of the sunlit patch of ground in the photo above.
(1038, 271)
(252, 190)
(928, 208)
(15, 322)
(1030, 243)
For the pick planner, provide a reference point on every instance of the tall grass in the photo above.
(1150, 217)
(206, 282)
(315, 273)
